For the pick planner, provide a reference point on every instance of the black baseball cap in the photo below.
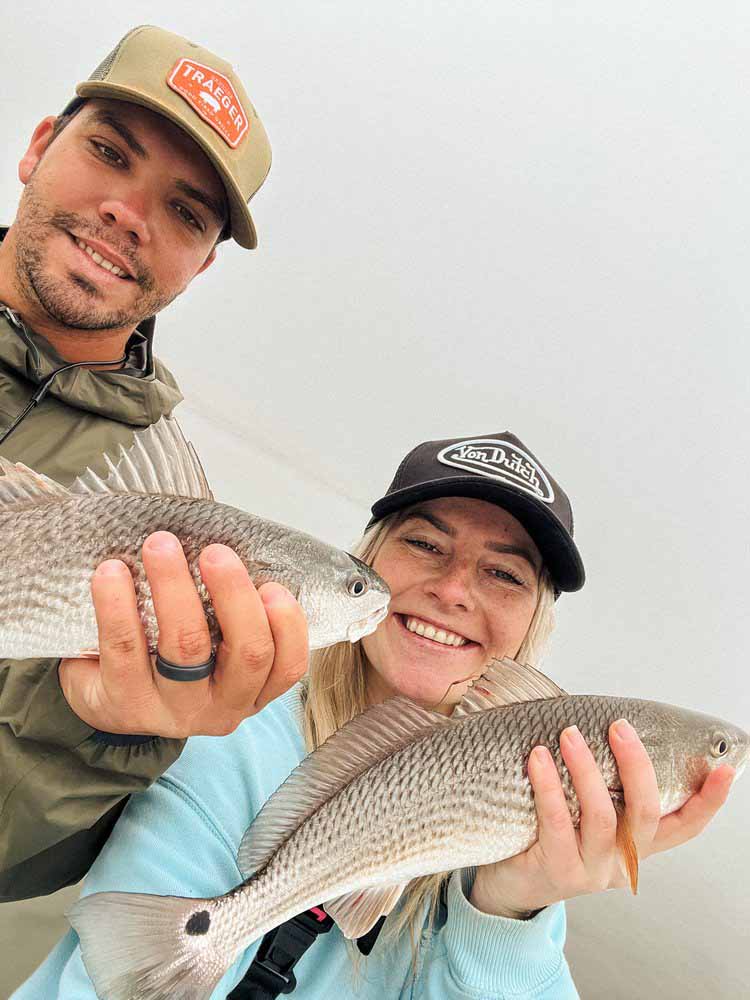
(498, 468)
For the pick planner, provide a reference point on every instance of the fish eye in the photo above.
(720, 746)
(357, 586)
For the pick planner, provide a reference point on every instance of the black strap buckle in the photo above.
(270, 973)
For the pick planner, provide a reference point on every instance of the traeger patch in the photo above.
(501, 460)
(212, 96)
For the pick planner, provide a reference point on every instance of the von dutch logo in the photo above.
(212, 96)
(501, 460)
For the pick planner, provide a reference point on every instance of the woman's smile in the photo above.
(431, 634)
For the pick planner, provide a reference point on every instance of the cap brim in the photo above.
(240, 220)
(558, 550)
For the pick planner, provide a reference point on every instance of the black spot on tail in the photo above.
(198, 923)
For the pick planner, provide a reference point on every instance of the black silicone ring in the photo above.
(174, 672)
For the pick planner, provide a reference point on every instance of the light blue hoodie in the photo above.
(181, 838)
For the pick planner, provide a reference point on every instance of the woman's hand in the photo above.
(263, 651)
(565, 861)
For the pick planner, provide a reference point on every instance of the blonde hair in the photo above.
(336, 691)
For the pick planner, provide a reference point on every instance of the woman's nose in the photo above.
(453, 587)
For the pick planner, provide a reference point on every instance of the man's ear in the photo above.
(207, 262)
(39, 142)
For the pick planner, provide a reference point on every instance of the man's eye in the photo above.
(107, 153)
(187, 216)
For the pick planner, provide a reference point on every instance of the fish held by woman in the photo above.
(398, 792)
(53, 538)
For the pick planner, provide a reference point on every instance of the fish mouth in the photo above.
(364, 626)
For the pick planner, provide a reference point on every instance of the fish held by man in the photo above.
(398, 792)
(53, 538)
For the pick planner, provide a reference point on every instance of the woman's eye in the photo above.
(419, 543)
(505, 574)
(107, 153)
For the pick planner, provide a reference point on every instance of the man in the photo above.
(126, 196)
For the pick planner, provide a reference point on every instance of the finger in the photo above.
(557, 836)
(121, 674)
(687, 822)
(639, 785)
(289, 627)
(124, 664)
(246, 653)
(598, 818)
(184, 638)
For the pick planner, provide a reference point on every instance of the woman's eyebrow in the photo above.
(502, 547)
(514, 550)
(423, 515)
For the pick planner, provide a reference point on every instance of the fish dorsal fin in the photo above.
(357, 912)
(369, 738)
(20, 486)
(506, 682)
(159, 461)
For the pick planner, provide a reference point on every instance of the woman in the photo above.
(474, 538)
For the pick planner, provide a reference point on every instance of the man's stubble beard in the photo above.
(73, 301)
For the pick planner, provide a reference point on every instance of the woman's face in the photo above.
(464, 578)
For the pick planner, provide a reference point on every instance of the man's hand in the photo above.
(262, 654)
(566, 862)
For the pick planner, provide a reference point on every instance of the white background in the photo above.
(487, 216)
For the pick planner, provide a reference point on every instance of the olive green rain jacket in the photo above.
(63, 785)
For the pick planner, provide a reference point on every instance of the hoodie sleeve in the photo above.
(483, 957)
(62, 785)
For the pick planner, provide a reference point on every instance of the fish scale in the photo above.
(397, 793)
(52, 539)
(401, 813)
(411, 800)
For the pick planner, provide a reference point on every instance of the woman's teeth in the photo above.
(101, 261)
(436, 634)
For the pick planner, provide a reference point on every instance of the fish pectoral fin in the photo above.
(357, 912)
(507, 682)
(160, 461)
(626, 844)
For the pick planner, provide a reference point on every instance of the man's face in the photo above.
(127, 185)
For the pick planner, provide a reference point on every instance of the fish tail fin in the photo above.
(627, 846)
(146, 947)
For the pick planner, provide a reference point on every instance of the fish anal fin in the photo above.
(357, 912)
(626, 844)
(507, 682)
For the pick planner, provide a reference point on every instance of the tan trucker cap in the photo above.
(202, 94)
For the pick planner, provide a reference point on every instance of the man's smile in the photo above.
(103, 258)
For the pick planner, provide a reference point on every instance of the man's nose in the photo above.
(453, 586)
(129, 214)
